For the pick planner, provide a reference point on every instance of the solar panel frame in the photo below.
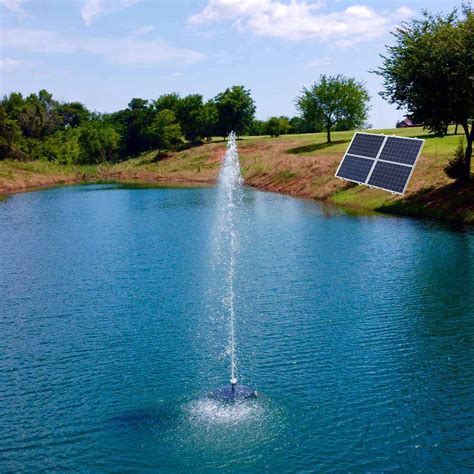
(406, 143)
(365, 149)
(378, 159)
(374, 159)
(391, 176)
(369, 164)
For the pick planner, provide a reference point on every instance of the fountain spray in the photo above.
(230, 189)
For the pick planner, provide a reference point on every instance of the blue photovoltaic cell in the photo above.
(380, 161)
(401, 150)
(355, 168)
(366, 144)
(390, 176)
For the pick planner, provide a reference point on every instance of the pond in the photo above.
(356, 331)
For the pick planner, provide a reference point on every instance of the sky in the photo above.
(105, 52)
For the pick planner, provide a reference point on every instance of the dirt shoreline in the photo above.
(300, 166)
(138, 178)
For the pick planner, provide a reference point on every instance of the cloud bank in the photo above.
(301, 20)
(128, 50)
(93, 8)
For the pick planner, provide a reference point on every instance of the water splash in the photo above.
(229, 204)
(212, 412)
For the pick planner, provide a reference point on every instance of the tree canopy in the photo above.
(430, 72)
(164, 131)
(235, 110)
(334, 100)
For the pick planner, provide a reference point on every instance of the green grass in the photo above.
(289, 162)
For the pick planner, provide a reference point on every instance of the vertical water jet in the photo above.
(230, 202)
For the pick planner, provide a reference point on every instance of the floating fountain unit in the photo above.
(233, 393)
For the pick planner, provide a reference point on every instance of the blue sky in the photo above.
(104, 52)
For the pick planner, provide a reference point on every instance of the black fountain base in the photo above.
(233, 393)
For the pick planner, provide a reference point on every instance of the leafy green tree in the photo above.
(430, 72)
(334, 99)
(39, 116)
(235, 110)
(63, 147)
(98, 143)
(302, 125)
(256, 128)
(132, 124)
(276, 126)
(284, 124)
(164, 131)
(73, 114)
(272, 127)
(10, 137)
(210, 119)
(167, 102)
(191, 117)
(13, 105)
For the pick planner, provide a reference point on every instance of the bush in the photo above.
(454, 169)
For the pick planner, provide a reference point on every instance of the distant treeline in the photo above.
(40, 127)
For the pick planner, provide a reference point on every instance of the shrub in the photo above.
(455, 167)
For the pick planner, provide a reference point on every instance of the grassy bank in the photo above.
(301, 165)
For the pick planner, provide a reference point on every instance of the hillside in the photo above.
(301, 165)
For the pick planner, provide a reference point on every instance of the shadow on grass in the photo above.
(315, 147)
(158, 157)
(453, 202)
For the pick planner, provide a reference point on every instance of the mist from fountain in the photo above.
(229, 203)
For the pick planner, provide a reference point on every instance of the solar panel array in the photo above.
(380, 161)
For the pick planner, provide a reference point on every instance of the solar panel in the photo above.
(380, 161)
(401, 150)
(389, 176)
(355, 168)
(366, 144)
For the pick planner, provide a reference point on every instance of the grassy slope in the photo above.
(21, 176)
(302, 165)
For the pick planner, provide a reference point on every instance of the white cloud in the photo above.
(13, 5)
(404, 12)
(300, 19)
(12, 63)
(92, 8)
(218, 10)
(129, 50)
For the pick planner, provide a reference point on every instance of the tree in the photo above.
(164, 131)
(302, 125)
(334, 99)
(430, 72)
(167, 102)
(191, 117)
(73, 114)
(10, 136)
(39, 116)
(132, 124)
(98, 143)
(257, 127)
(235, 110)
(275, 126)
(210, 119)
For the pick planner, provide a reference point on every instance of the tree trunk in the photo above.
(468, 154)
(456, 129)
(328, 132)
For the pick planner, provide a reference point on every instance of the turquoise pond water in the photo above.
(357, 332)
